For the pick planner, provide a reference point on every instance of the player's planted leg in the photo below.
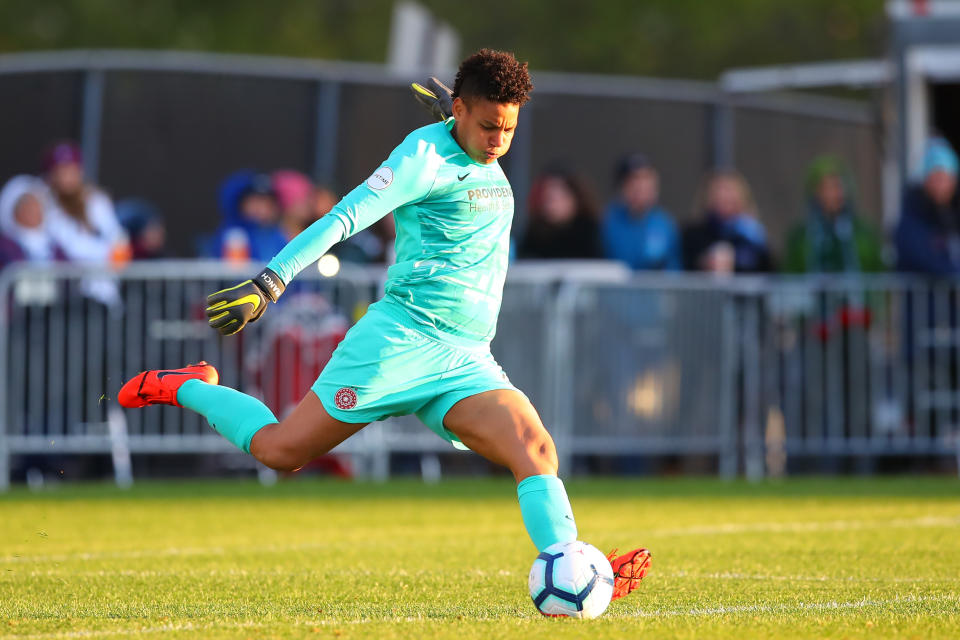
(503, 427)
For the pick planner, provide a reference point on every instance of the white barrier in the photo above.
(751, 371)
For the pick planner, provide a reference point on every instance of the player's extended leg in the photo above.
(308, 432)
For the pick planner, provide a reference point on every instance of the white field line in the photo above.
(64, 573)
(799, 607)
(168, 552)
(717, 529)
(167, 628)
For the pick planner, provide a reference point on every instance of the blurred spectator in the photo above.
(295, 197)
(81, 218)
(928, 236)
(324, 199)
(144, 226)
(730, 238)
(373, 245)
(23, 230)
(561, 219)
(833, 238)
(636, 229)
(386, 232)
(250, 228)
(82, 222)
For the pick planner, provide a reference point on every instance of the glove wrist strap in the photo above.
(270, 283)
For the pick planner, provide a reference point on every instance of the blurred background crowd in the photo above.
(58, 215)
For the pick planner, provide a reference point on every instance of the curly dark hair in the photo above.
(495, 75)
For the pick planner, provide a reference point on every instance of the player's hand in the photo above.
(435, 97)
(229, 310)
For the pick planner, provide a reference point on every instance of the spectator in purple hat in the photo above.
(636, 229)
(82, 219)
(928, 235)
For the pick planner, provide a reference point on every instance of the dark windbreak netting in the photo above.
(173, 137)
(36, 109)
(373, 120)
(773, 151)
(573, 132)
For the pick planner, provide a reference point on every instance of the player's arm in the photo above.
(406, 176)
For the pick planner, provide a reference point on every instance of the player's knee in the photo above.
(281, 460)
(540, 449)
(277, 458)
(273, 452)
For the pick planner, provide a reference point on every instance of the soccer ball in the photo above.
(571, 579)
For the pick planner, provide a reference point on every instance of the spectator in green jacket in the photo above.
(833, 238)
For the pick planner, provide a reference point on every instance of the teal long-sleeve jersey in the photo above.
(453, 218)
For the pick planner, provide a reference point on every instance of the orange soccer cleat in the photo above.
(160, 386)
(628, 570)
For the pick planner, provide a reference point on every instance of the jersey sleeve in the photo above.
(406, 176)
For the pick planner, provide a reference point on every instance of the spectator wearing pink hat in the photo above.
(294, 193)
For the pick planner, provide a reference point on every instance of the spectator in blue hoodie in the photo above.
(636, 229)
(250, 229)
(928, 235)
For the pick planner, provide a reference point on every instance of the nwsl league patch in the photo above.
(381, 179)
(345, 398)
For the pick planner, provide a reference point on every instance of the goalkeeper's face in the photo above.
(484, 128)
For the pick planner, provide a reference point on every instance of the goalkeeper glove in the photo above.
(229, 310)
(435, 98)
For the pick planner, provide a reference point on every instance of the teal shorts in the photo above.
(384, 367)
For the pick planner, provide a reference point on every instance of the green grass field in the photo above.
(322, 559)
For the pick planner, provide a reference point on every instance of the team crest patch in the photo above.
(381, 179)
(346, 398)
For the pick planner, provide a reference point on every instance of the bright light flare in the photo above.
(328, 265)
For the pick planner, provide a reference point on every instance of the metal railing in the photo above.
(753, 372)
(862, 367)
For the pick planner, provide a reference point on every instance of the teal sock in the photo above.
(546, 511)
(235, 415)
